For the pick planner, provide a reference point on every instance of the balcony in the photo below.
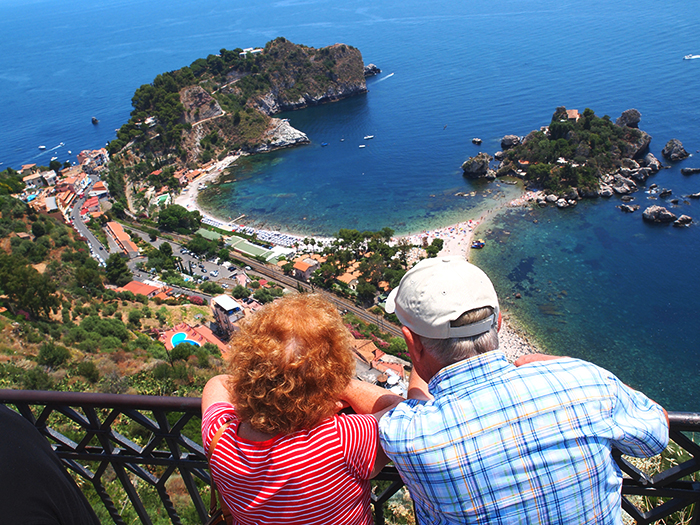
(161, 468)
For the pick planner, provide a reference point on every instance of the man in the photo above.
(482, 441)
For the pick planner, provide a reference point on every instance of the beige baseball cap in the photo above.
(437, 291)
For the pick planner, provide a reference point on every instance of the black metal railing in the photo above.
(89, 433)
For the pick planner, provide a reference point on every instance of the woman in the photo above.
(287, 456)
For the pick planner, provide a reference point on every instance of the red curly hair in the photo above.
(289, 363)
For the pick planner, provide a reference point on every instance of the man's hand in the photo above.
(533, 358)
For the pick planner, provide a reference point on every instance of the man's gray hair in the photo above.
(449, 351)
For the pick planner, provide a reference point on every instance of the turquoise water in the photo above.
(595, 283)
(181, 337)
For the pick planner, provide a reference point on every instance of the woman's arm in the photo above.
(215, 391)
(365, 398)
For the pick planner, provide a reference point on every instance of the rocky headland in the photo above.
(223, 106)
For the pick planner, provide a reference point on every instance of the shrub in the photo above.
(195, 299)
(89, 371)
(52, 355)
(36, 379)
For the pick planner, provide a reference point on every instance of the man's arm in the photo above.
(418, 388)
(365, 398)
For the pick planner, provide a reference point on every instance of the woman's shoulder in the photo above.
(354, 423)
(216, 415)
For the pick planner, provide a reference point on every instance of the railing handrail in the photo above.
(88, 399)
(168, 447)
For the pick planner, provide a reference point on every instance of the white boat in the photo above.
(367, 137)
(362, 146)
(691, 57)
(42, 147)
(54, 158)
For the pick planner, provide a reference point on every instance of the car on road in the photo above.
(214, 273)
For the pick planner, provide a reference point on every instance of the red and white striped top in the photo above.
(316, 476)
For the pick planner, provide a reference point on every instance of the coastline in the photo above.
(457, 238)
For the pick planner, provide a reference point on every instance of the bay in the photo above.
(595, 283)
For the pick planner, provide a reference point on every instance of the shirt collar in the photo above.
(468, 372)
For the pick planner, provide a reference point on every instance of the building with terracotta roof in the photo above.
(349, 278)
(137, 287)
(91, 205)
(366, 351)
(33, 181)
(304, 268)
(99, 190)
(115, 230)
(64, 201)
(572, 114)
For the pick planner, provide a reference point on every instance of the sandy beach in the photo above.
(457, 240)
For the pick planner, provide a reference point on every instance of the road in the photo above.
(96, 247)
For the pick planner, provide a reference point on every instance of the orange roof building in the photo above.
(115, 230)
(137, 287)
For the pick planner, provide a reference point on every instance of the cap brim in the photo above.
(390, 305)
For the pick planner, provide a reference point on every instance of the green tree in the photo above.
(177, 218)
(26, 288)
(365, 292)
(182, 352)
(166, 249)
(117, 271)
(135, 318)
(240, 292)
(38, 229)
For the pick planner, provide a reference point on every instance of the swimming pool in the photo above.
(181, 337)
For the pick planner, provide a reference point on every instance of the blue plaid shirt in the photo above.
(501, 444)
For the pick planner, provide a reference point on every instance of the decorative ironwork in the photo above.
(96, 450)
(83, 431)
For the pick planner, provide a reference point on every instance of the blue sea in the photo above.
(593, 282)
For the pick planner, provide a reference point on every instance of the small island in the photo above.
(580, 155)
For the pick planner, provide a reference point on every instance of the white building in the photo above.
(226, 312)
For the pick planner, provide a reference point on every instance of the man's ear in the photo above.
(500, 321)
(414, 344)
